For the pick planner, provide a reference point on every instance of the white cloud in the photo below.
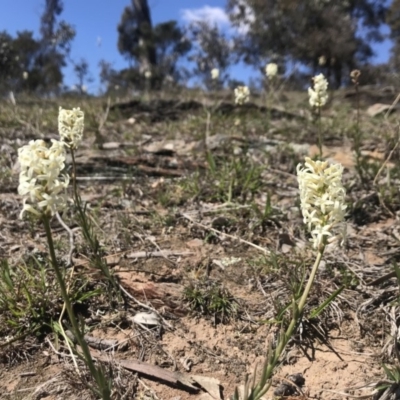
(218, 16)
(213, 15)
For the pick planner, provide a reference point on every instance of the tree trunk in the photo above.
(147, 59)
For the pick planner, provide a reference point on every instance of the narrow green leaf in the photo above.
(316, 311)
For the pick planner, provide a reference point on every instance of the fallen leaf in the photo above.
(377, 108)
(143, 318)
(211, 385)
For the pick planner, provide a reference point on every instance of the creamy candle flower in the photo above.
(322, 197)
(70, 126)
(321, 61)
(214, 74)
(271, 70)
(40, 182)
(319, 94)
(242, 94)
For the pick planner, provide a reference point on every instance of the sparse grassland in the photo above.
(192, 215)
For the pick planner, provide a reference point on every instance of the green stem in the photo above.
(74, 184)
(358, 106)
(263, 387)
(207, 132)
(97, 375)
(357, 138)
(269, 105)
(314, 270)
(245, 135)
(319, 133)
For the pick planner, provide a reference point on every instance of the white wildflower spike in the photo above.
(242, 95)
(322, 197)
(40, 183)
(271, 70)
(321, 61)
(70, 126)
(214, 74)
(319, 94)
(148, 74)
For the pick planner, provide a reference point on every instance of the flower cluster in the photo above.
(318, 95)
(271, 70)
(214, 74)
(322, 197)
(321, 61)
(242, 95)
(40, 182)
(355, 75)
(70, 126)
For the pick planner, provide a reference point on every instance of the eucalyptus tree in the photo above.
(340, 31)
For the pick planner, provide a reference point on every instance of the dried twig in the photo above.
(366, 386)
(265, 251)
(392, 106)
(144, 305)
(114, 259)
(160, 253)
(153, 371)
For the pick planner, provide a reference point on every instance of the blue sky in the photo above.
(96, 24)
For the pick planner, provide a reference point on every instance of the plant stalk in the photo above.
(264, 385)
(319, 133)
(104, 390)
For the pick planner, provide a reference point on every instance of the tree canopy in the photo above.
(304, 30)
